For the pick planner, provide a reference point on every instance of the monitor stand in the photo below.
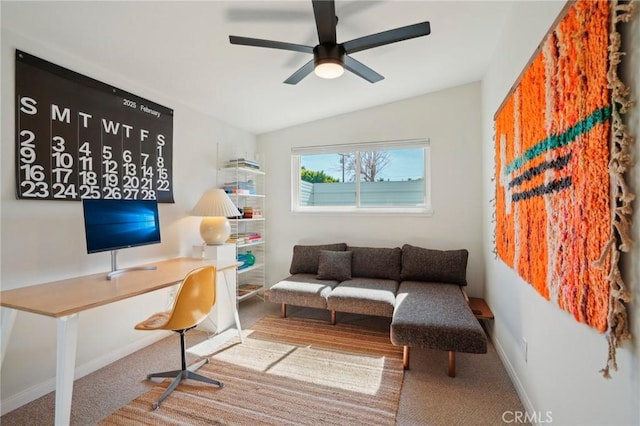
(114, 266)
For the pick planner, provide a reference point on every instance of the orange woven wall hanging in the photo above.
(558, 217)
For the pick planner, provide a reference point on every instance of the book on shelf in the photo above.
(243, 241)
(245, 238)
(241, 162)
(245, 187)
(237, 191)
(248, 234)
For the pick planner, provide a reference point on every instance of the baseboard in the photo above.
(520, 390)
(41, 389)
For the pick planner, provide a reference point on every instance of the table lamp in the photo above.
(214, 207)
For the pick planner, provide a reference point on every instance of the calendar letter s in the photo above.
(28, 105)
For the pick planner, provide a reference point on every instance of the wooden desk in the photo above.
(65, 299)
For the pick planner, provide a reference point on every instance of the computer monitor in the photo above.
(111, 225)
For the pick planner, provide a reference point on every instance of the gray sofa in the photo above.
(419, 289)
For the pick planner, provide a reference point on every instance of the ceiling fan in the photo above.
(330, 58)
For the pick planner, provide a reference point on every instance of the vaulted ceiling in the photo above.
(181, 49)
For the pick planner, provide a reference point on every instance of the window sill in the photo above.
(364, 211)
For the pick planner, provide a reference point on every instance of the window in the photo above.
(377, 177)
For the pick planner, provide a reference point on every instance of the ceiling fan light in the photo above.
(329, 69)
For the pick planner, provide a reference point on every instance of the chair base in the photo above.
(181, 375)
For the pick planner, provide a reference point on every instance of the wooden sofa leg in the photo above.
(452, 364)
(405, 357)
(283, 311)
(333, 317)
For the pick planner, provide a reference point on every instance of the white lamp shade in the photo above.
(214, 207)
(215, 202)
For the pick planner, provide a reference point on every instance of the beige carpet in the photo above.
(287, 371)
(480, 394)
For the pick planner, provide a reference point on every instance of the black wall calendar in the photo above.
(77, 138)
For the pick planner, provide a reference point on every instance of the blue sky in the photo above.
(404, 164)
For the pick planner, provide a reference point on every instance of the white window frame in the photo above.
(297, 152)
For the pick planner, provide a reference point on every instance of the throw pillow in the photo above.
(374, 262)
(305, 258)
(334, 265)
(435, 266)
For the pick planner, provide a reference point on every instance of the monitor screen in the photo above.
(116, 224)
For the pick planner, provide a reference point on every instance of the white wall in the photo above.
(44, 240)
(449, 118)
(561, 375)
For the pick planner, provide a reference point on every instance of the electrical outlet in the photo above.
(525, 349)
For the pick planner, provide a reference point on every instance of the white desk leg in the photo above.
(65, 367)
(8, 318)
(232, 300)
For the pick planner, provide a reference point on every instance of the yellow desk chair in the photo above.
(194, 300)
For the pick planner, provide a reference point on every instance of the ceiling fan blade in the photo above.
(325, 14)
(361, 70)
(257, 42)
(304, 71)
(387, 37)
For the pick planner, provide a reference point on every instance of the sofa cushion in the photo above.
(435, 316)
(373, 262)
(305, 258)
(302, 290)
(369, 296)
(334, 265)
(436, 266)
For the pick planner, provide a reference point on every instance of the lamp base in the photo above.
(215, 230)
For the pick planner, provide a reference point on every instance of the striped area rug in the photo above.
(287, 371)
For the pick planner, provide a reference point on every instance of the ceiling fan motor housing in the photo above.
(330, 58)
(328, 53)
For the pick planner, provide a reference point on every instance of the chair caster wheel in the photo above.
(155, 406)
